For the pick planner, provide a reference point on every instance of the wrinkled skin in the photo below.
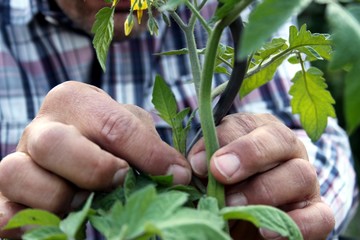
(82, 140)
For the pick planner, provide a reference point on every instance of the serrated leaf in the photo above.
(276, 45)
(312, 101)
(33, 217)
(44, 233)
(346, 35)
(256, 78)
(74, 223)
(265, 217)
(265, 19)
(315, 45)
(352, 98)
(103, 29)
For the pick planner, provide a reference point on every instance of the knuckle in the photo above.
(62, 92)
(117, 128)
(244, 122)
(45, 138)
(306, 174)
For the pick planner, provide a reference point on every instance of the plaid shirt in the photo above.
(40, 48)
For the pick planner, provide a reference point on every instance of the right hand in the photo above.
(81, 141)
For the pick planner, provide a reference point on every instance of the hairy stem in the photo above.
(214, 188)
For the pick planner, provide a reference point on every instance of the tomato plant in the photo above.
(146, 207)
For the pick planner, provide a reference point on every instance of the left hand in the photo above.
(261, 161)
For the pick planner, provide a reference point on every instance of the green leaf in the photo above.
(192, 224)
(74, 223)
(224, 9)
(164, 205)
(352, 98)
(165, 103)
(316, 46)
(164, 180)
(269, 49)
(193, 193)
(143, 207)
(209, 204)
(109, 223)
(312, 101)
(346, 36)
(103, 29)
(179, 132)
(256, 78)
(129, 183)
(164, 100)
(265, 19)
(36, 217)
(45, 233)
(105, 200)
(265, 217)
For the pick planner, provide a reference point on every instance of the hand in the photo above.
(261, 161)
(81, 140)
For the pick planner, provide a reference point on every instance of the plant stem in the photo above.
(197, 14)
(214, 188)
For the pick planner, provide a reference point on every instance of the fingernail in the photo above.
(79, 199)
(227, 164)
(180, 174)
(236, 199)
(198, 163)
(119, 176)
(268, 234)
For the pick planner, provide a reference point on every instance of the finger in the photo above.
(315, 222)
(297, 176)
(24, 182)
(260, 150)
(113, 127)
(231, 128)
(82, 162)
(7, 210)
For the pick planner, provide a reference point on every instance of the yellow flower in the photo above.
(128, 25)
(139, 6)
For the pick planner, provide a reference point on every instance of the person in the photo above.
(61, 139)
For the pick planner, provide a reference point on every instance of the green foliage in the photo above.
(166, 105)
(265, 217)
(346, 27)
(34, 217)
(265, 19)
(103, 29)
(74, 224)
(312, 101)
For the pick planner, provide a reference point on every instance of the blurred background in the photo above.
(314, 17)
